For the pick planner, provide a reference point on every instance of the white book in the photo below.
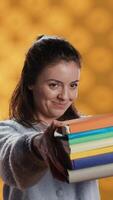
(91, 173)
(91, 145)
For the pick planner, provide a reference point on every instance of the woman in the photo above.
(32, 163)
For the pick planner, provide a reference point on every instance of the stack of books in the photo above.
(91, 147)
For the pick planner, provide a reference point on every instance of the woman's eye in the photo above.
(53, 85)
(73, 85)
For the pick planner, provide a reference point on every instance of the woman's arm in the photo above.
(54, 151)
(19, 165)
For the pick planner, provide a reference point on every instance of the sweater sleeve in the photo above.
(19, 165)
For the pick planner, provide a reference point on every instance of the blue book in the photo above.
(90, 132)
(92, 161)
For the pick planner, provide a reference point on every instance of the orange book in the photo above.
(89, 123)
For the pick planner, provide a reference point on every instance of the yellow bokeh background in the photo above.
(88, 25)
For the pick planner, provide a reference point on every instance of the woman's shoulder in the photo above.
(15, 125)
(10, 123)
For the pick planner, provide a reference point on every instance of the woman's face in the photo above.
(55, 90)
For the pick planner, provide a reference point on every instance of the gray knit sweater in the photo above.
(26, 177)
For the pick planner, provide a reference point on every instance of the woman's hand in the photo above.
(54, 151)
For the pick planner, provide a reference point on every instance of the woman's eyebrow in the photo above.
(75, 81)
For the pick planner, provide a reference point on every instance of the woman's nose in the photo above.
(64, 94)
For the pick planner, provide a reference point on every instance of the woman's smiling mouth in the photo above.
(60, 105)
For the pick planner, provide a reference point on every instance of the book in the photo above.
(91, 152)
(91, 145)
(96, 160)
(90, 132)
(90, 141)
(90, 173)
(91, 138)
(90, 123)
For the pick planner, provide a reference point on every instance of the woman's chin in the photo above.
(57, 114)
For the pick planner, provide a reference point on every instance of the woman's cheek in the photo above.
(75, 94)
(51, 93)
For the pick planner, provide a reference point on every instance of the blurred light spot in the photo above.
(99, 20)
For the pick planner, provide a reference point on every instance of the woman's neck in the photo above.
(44, 120)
